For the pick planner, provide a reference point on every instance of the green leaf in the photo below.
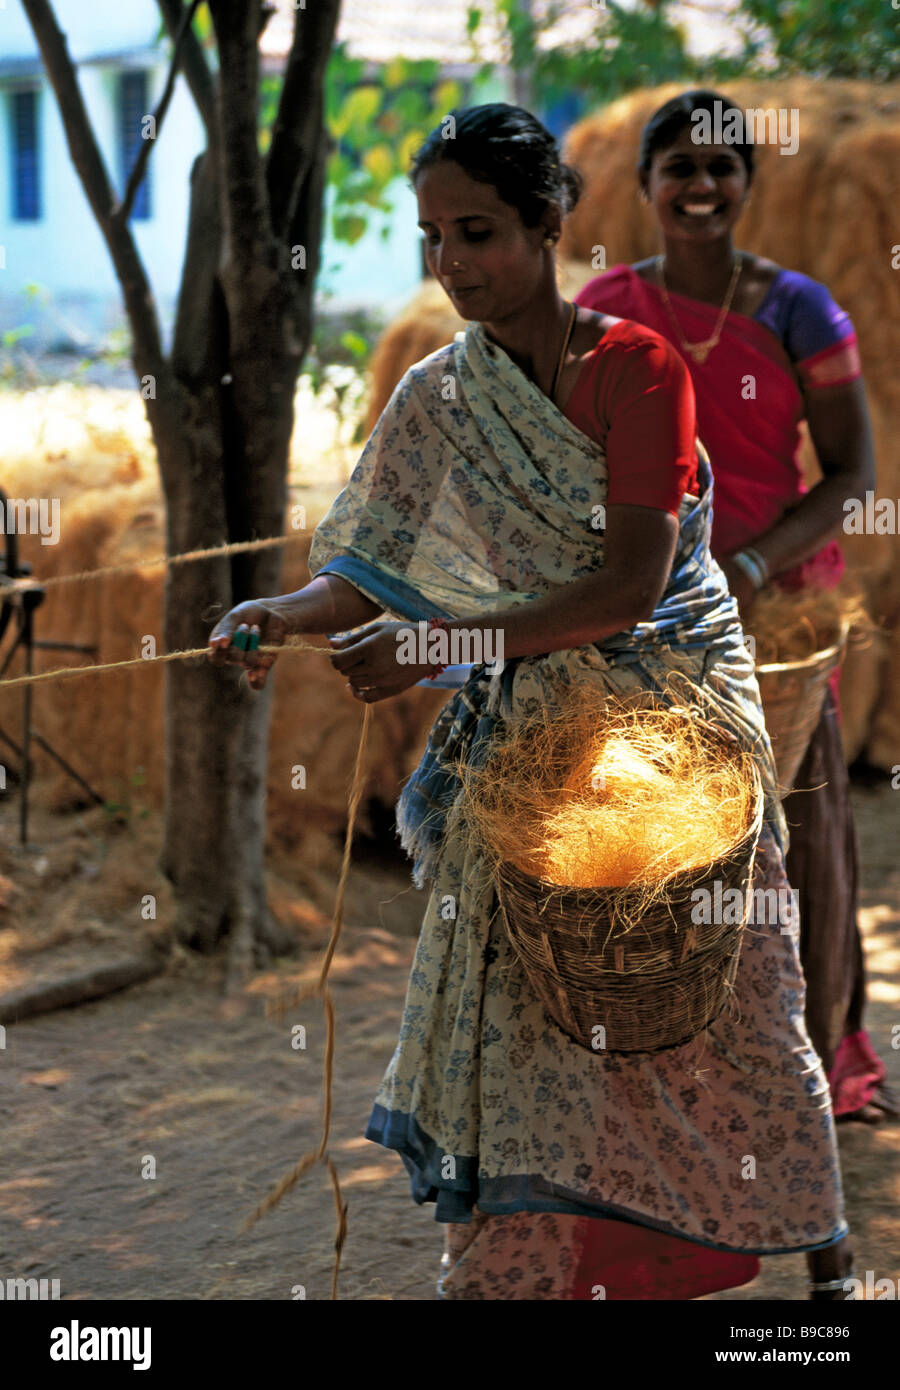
(446, 95)
(349, 227)
(396, 72)
(355, 344)
(408, 146)
(203, 25)
(379, 162)
(359, 110)
(339, 168)
(12, 335)
(411, 105)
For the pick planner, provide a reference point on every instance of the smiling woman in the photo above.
(475, 507)
(767, 348)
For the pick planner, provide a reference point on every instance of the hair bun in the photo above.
(573, 186)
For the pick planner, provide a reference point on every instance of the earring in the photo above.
(549, 240)
(456, 265)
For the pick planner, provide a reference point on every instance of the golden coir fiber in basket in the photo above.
(602, 794)
(791, 626)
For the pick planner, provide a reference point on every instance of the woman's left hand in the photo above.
(741, 587)
(369, 660)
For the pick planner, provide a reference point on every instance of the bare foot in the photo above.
(866, 1115)
(834, 1265)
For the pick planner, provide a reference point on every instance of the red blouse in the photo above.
(635, 398)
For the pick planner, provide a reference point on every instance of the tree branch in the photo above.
(88, 161)
(196, 344)
(306, 230)
(194, 65)
(298, 120)
(250, 267)
(123, 211)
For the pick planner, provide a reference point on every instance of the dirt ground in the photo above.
(213, 1092)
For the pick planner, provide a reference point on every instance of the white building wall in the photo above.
(64, 253)
(91, 26)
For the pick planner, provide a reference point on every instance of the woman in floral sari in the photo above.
(767, 348)
(481, 504)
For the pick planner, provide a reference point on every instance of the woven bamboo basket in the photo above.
(792, 694)
(645, 988)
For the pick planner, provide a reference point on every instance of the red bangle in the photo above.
(432, 624)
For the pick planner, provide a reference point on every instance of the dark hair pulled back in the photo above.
(507, 147)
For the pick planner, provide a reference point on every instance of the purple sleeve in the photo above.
(803, 315)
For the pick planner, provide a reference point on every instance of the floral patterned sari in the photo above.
(475, 493)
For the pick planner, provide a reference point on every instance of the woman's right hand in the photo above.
(261, 616)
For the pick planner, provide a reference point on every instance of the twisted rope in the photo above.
(321, 988)
(210, 553)
(67, 672)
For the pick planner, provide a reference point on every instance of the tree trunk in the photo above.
(217, 727)
(221, 411)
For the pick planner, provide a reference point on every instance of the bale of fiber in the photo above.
(110, 726)
(427, 323)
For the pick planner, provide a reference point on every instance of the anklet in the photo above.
(832, 1285)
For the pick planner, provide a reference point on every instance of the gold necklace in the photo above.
(562, 351)
(700, 351)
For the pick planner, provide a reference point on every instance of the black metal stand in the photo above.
(22, 596)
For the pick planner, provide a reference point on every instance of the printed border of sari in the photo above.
(836, 365)
(454, 1198)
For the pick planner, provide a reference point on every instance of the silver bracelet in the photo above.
(763, 564)
(744, 559)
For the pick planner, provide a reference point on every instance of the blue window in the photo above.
(25, 163)
(562, 112)
(133, 107)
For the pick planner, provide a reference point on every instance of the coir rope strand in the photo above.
(321, 989)
(211, 553)
(67, 672)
